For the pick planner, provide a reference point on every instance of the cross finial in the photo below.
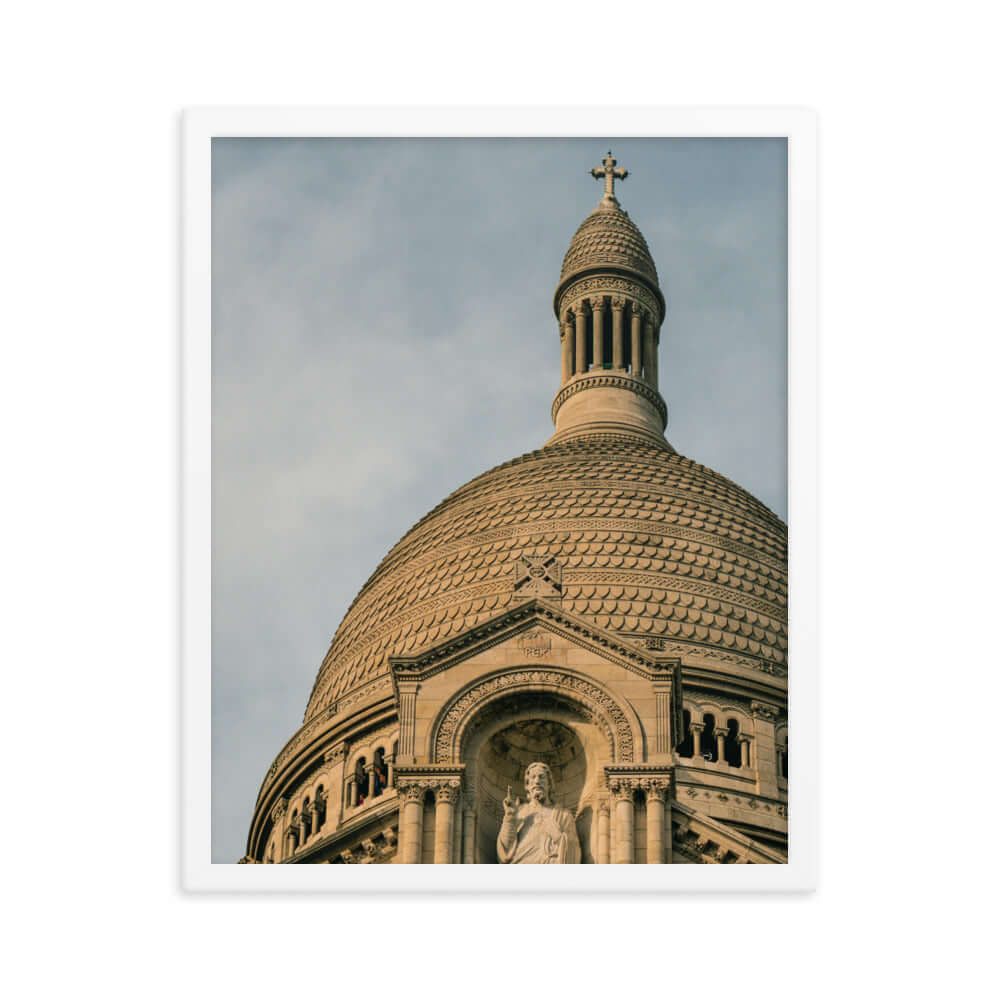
(609, 171)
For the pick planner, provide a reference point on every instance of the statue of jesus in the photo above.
(538, 832)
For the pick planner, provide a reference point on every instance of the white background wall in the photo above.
(89, 418)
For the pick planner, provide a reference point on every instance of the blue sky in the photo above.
(382, 332)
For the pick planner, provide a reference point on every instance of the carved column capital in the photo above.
(581, 308)
(618, 303)
(447, 789)
(697, 727)
(411, 791)
(597, 303)
(655, 788)
(278, 809)
(604, 807)
(622, 789)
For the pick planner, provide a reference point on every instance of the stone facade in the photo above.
(603, 606)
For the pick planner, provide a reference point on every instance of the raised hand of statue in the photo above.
(510, 805)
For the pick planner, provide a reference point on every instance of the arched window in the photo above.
(360, 781)
(733, 743)
(686, 747)
(381, 774)
(708, 741)
(320, 807)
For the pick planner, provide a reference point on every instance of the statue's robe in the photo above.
(539, 835)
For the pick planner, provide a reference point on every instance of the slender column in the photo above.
(315, 817)
(292, 837)
(636, 342)
(656, 797)
(618, 333)
(456, 840)
(302, 828)
(390, 776)
(781, 761)
(411, 822)
(604, 834)
(697, 728)
(720, 742)
(654, 360)
(623, 793)
(352, 793)
(744, 750)
(444, 818)
(648, 350)
(566, 337)
(469, 836)
(370, 771)
(581, 338)
(598, 309)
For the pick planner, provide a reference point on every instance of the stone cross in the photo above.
(609, 171)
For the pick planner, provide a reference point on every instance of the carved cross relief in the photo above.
(537, 576)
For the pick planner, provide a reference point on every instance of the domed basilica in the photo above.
(578, 657)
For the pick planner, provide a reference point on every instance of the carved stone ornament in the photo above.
(536, 643)
(446, 790)
(622, 789)
(537, 576)
(603, 706)
(655, 788)
(762, 710)
(278, 809)
(411, 791)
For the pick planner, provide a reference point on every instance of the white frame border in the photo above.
(198, 873)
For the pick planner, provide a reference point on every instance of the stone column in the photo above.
(581, 338)
(780, 761)
(648, 350)
(390, 776)
(603, 852)
(624, 796)
(744, 750)
(411, 822)
(290, 842)
(370, 771)
(636, 342)
(764, 718)
(697, 728)
(469, 836)
(352, 793)
(302, 828)
(654, 377)
(720, 743)
(656, 799)
(618, 333)
(444, 819)
(316, 816)
(598, 325)
(566, 338)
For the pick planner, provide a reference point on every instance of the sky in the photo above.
(382, 332)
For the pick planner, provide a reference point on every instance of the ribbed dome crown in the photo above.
(608, 238)
(649, 544)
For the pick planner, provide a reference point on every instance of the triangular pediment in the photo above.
(529, 624)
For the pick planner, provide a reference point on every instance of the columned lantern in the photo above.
(580, 657)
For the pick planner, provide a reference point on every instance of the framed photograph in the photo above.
(495, 423)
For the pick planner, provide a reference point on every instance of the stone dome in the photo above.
(641, 541)
(608, 238)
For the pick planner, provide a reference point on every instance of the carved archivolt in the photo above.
(448, 738)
